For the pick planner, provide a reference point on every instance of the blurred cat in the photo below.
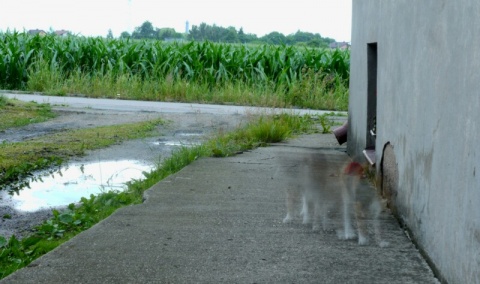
(323, 190)
(314, 197)
(364, 202)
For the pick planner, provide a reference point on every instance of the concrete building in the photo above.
(415, 105)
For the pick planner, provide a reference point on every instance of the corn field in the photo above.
(205, 63)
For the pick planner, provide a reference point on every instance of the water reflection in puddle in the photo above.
(70, 184)
(185, 139)
(176, 143)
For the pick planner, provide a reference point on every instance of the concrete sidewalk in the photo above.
(220, 221)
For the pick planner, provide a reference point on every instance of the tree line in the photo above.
(213, 33)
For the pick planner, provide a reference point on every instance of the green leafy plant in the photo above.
(326, 123)
(271, 75)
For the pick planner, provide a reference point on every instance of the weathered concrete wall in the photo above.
(428, 110)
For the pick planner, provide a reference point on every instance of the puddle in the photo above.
(70, 184)
(176, 143)
(66, 185)
(189, 133)
(185, 139)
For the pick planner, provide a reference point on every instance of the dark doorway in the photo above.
(371, 95)
(371, 130)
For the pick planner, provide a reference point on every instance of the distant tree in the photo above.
(198, 33)
(146, 30)
(219, 34)
(308, 39)
(327, 41)
(216, 33)
(301, 37)
(124, 35)
(168, 33)
(249, 38)
(230, 35)
(315, 43)
(193, 34)
(213, 33)
(241, 35)
(110, 34)
(205, 32)
(274, 38)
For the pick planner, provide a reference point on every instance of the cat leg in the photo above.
(291, 202)
(348, 232)
(361, 226)
(376, 209)
(307, 209)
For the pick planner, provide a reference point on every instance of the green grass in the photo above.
(15, 254)
(15, 113)
(315, 93)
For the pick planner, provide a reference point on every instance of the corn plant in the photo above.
(213, 64)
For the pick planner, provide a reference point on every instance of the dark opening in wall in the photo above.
(371, 131)
(371, 95)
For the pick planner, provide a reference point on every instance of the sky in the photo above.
(329, 18)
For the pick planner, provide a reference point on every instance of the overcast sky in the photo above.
(329, 18)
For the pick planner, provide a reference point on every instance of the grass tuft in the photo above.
(15, 113)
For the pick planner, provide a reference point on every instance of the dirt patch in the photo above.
(182, 128)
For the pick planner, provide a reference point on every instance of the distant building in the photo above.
(42, 32)
(339, 45)
(37, 32)
(62, 33)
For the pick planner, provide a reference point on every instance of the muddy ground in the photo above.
(152, 150)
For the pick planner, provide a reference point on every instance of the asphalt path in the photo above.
(150, 106)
